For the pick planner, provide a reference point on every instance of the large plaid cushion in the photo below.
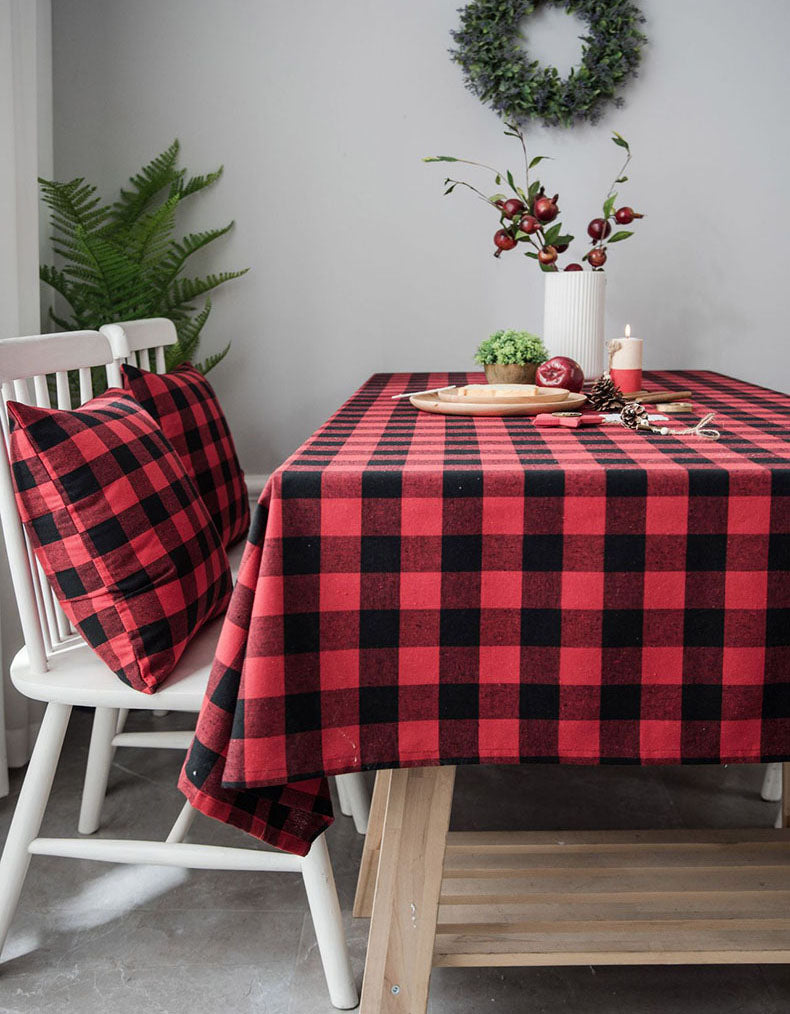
(120, 531)
(185, 406)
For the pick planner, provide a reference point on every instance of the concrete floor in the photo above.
(89, 937)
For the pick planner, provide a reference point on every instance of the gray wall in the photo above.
(321, 111)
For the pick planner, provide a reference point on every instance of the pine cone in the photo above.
(606, 396)
(632, 414)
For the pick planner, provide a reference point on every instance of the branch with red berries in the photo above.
(599, 230)
(529, 216)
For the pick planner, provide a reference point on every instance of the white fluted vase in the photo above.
(573, 317)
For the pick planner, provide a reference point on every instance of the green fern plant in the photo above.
(121, 261)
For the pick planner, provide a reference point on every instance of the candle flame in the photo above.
(628, 330)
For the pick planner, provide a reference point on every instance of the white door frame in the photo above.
(25, 153)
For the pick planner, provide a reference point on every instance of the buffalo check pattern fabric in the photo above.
(422, 589)
(185, 406)
(120, 531)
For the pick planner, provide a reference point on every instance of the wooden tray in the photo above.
(431, 403)
(501, 394)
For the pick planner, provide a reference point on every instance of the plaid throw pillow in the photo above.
(120, 530)
(185, 406)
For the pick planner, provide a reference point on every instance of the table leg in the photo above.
(785, 811)
(368, 867)
(406, 900)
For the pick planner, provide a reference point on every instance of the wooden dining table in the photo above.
(423, 591)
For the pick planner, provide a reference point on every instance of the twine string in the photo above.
(612, 346)
(700, 430)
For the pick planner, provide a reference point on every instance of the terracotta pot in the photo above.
(511, 374)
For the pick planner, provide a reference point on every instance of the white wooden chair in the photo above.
(57, 667)
(142, 343)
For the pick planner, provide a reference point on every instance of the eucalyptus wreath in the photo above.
(501, 74)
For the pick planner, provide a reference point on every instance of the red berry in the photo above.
(545, 208)
(625, 216)
(499, 204)
(597, 257)
(529, 224)
(599, 228)
(562, 247)
(504, 240)
(574, 267)
(547, 255)
(512, 207)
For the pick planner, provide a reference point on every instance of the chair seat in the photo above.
(77, 676)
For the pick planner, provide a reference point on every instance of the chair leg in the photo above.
(771, 791)
(319, 882)
(184, 821)
(29, 811)
(357, 798)
(97, 770)
(342, 796)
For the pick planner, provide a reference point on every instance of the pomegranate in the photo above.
(503, 241)
(626, 215)
(529, 224)
(512, 207)
(597, 257)
(545, 208)
(599, 228)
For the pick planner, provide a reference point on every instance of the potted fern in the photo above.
(511, 357)
(121, 261)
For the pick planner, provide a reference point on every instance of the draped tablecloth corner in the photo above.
(422, 589)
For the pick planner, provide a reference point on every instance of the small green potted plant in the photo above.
(511, 357)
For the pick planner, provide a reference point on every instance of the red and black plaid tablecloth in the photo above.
(423, 589)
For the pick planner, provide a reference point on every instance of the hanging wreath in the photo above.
(501, 74)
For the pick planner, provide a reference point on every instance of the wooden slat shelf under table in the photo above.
(439, 898)
(639, 897)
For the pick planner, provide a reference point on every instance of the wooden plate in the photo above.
(430, 403)
(501, 394)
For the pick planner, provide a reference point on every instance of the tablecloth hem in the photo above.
(311, 826)
(260, 780)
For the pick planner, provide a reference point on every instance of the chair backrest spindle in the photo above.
(86, 385)
(22, 360)
(41, 390)
(133, 341)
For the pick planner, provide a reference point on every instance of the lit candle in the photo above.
(625, 362)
